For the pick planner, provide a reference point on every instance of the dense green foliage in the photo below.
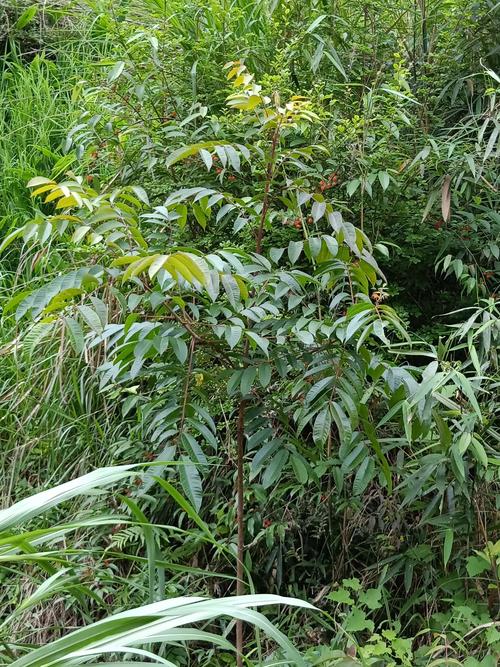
(250, 277)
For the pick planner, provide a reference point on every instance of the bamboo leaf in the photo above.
(34, 505)
(448, 545)
(446, 198)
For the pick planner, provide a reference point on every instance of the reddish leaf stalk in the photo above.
(267, 189)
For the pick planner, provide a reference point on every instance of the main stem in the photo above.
(240, 519)
(240, 436)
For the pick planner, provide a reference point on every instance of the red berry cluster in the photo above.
(465, 232)
(296, 222)
(219, 170)
(332, 181)
(267, 522)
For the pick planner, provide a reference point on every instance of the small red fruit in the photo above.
(218, 170)
(267, 522)
(231, 177)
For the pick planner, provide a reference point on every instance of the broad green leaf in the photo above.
(26, 17)
(357, 622)
(234, 158)
(274, 468)
(299, 468)
(187, 151)
(353, 584)
(191, 482)
(265, 372)
(10, 238)
(91, 318)
(477, 565)
(206, 157)
(371, 598)
(247, 379)
(384, 179)
(322, 426)
(294, 250)
(364, 476)
(116, 71)
(261, 342)
(233, 335)
(342, 596)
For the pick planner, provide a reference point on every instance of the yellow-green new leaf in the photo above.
(40, 180)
